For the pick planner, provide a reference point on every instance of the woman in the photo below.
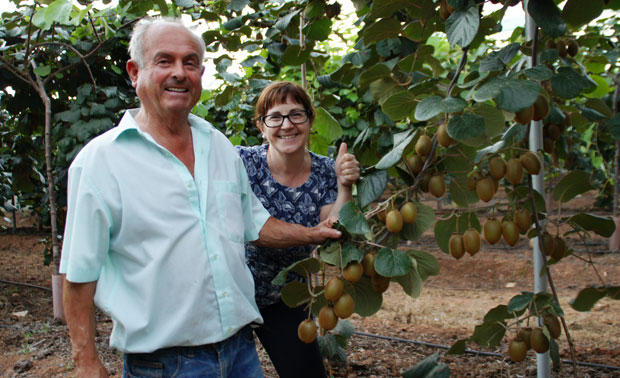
(297, 186)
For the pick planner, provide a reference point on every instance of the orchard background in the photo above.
(436, 108)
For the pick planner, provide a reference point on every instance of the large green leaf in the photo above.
(399, 105)
(604, 226)
(516, 95)
(373, 73)
(430, 367)
(572, 185)
(580, 12)
(304, 267)
(320, 29)
(489, 334)
(392, 262)
(462, 26)
(295, 293)
(384, 9)
(294, 55)
(428, 108)
(614, 126)
(367, 301)
(341, 254)
(381, 30)
(401, 141)
(587, 298)
(568, 83)
(284, 22)
(426, 263)
(497, 60)
(426, 218)
(547, 16)
(352, 218)
(520, 302)
(326, 125)
(466, 126)
(371, 186)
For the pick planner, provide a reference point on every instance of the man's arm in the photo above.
(79, 306)
(279, 234)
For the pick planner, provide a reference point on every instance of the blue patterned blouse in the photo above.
(301, 205)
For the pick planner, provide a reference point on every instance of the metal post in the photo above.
(535, 144)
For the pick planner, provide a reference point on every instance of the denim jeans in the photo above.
(233, 357)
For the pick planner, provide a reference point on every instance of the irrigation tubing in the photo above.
(391, 338)
(471, 351)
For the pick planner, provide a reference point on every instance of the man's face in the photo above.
(169, 84)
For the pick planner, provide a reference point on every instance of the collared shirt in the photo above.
(166, 248)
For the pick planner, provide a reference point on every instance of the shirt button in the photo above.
(224, 293)
(215, 257)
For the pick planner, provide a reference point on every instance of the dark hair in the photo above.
(277, 93)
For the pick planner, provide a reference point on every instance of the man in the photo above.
(159, 210)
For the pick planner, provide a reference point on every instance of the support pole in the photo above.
(538, 182)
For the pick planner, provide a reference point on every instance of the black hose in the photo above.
(25, 284)
(471, 351)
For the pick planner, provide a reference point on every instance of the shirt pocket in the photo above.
(229, 209)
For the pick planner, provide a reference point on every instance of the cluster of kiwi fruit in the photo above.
(552, 132)
(554, 246)
(340, 304)
(528, 338)
(433, 184)
(565, 47)
(538, 111)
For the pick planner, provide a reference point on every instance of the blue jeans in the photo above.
(233, 357)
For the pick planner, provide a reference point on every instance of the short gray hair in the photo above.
(136, 44)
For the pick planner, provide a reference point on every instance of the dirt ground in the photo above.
(401, 334)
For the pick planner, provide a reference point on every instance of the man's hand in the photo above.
(347, 167)
(325, 230)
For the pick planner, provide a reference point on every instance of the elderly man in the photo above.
(159, 210)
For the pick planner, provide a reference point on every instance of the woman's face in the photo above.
(293, 133)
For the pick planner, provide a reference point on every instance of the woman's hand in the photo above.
(347, 167)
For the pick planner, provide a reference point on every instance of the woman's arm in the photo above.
(348, 172)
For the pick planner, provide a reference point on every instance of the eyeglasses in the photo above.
(276, 120)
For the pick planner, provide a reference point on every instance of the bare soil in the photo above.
(400, 335)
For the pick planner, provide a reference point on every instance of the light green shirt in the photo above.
(166, 248)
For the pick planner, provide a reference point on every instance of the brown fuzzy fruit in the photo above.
(327, 318)
(394, 221)
(423, 145)
(541, 108)
(437, 186)
(548, 242)
(517, 349)
(572, 48)
(368, 262)
(514, 171)
(415, 163)
(485, 188)
(497, 167)
(471, 241)
(559, 249)
(353, 272)
(524, 334)
(510, 232)
(381, 214)
(562, 48)
(456, 246)
(473, 179)
(530, 163)
(344, 306)
(333, 289)
(551, 44)
(538, 340)
(409, 212)
(524, 116)
(426, 179)
(523, 219)
(554, 131)
(306, 331)
(553, 325)
(548, 145)
(443, 137)
(445, 10)
(492, 230)
(379, 283)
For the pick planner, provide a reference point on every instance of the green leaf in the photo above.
(462, 26)
(384, 9)
(614, 126)
(426, 218)
(330, 348)
(430, 367)
(320, 29)
(294, 55)
(371, 186)
(426, 263)
(547, 16)
(604, 226)
(295, 293)
(497, 60)
(163, 7)
(43, 70)
(579, 12)
(497, 314)
(58, 12)
(340, 254)
(538, 73)
(401, 141)
(326, 125)
(428, 108)
(383, 29)
(373, 73)
(399, 105)
(602, 87)
(516, 95)
(466, 126)
(461, 195)
(520, 302)
(571, 185)
(367, 302)
(283, 22)
(304, 267)
(489, 334)
(458, 347)
(587, 298)
(352, 218)
(599, 106)
(392, 262)
(411, 283)
(568, 83)
(489, 90)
